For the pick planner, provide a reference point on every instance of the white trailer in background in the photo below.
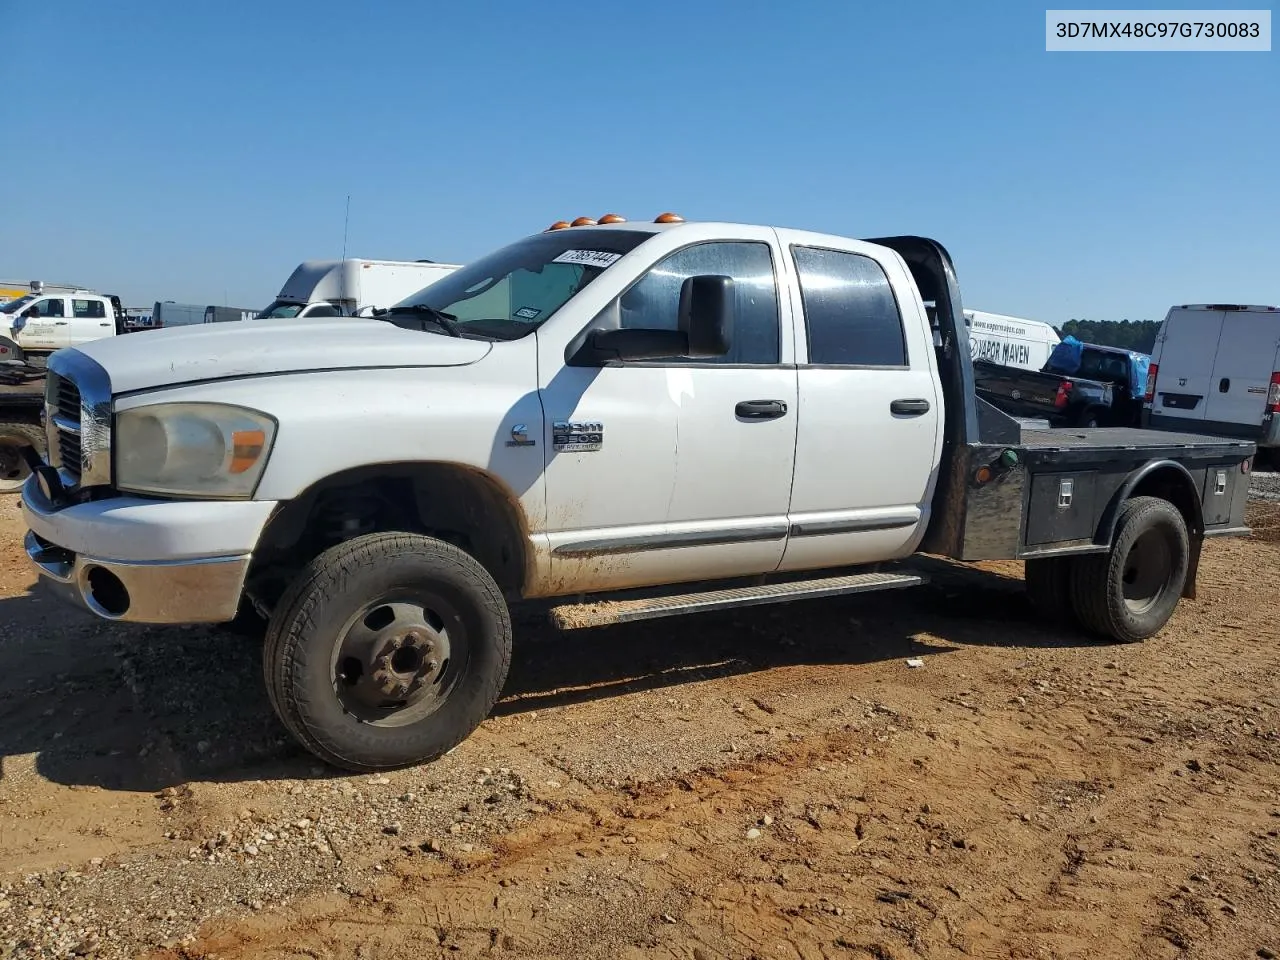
(348, 288)
(1010, 341)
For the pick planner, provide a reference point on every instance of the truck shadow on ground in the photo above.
(141, 708)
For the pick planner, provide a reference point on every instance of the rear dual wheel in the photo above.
(1129, 593)
(387, 650)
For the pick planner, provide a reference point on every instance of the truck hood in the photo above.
(248, 348)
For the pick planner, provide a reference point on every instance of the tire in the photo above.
(1048, 583)
(1149, 559)
(1090, 417)
(365, 693)
(13, 468)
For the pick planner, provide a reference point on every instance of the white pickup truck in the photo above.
(42, 322)
(632, 419)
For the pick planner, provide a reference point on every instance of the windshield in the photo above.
(281, 310)
(13, 306)
(516, 289)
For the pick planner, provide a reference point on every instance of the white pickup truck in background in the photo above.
(632, 420)
(348, 288)
(41, 323)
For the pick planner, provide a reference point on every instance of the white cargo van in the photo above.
(348, 288)
(1215, 369)
(1010, 341)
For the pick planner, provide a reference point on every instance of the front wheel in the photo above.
(1130, 593)
(387, 650)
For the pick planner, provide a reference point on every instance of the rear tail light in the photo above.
(1063, 396)
(1151, 383)
(1273, 394)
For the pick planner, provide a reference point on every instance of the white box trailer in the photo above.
(1215, 369)
(348, 288)
(1010, 341)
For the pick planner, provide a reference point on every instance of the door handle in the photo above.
(1224, 385)
(909, 408)
(60, 323)
(761, 409)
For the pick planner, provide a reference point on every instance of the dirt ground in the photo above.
(772, 784)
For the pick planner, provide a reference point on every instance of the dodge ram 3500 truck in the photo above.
(634, 419)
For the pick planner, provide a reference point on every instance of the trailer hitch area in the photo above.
(996, 468)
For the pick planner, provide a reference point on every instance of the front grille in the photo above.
(78, 419)
(66, 398)
(63, 399)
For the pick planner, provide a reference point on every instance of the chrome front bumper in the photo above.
(183, 591)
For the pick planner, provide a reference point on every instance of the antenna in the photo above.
(346, 219)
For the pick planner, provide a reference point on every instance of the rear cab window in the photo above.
(89, 309)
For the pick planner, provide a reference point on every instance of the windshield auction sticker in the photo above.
(588, 258)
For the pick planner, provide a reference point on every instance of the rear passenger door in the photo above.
(89, 321)
(870, 411)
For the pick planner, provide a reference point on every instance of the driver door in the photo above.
(665, 471)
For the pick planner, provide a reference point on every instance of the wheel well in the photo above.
(1169, 481)
(460, 505)
(1177, 487)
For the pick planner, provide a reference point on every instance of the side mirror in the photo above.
(706, 315)
(704, 322)
(603, 346)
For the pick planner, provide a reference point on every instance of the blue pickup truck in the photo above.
(1081, 385)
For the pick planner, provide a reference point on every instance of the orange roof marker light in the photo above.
(613, 218)
(583, 222)
(558, 225)
(668, 218)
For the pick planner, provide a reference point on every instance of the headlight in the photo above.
(192, 450)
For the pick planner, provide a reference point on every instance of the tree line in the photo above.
(1139, 335)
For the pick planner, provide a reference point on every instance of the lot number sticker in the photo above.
(588, 258)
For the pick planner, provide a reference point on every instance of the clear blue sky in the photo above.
(199, 151)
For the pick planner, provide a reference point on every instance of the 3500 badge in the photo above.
(568, 436)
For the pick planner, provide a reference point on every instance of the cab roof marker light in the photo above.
(668, 218)
(613, 218)
(583, 222)
(558, 225)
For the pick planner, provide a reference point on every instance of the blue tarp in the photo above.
(1141, 364)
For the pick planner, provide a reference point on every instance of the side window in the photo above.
(89, 309)
(850, 311)
(654, 302)
(52, 308)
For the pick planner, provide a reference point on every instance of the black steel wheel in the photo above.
(388, 650)
(1130, 593)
